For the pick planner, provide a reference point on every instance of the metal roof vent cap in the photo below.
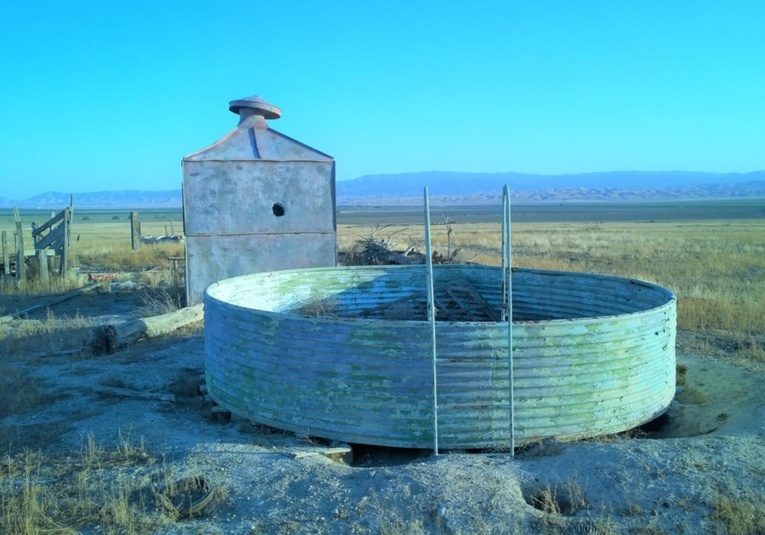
(254, 105)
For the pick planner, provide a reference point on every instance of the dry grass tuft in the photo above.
(564, 498)
(119, 256)
(43, 337)
(326, 308)
(34, 287)
(109, 490)
(157, 301)
(743, 515)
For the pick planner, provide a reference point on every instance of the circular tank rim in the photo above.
(368, 380)
(668, 295)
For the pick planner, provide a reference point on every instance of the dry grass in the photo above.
(110, 488)
(33, 286)
(102, 246)
(561, 498)
(319, 307)
(122, 490)
(51, 335)
(156, 301)
(119, 256)
(716, 269)
(737, 510)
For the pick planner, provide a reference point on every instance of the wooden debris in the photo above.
(456, 300)
(468, 303)
(337, 453)
(138, 394)
(97, 277)
(111, 338)
(371, 251)
(48, 303)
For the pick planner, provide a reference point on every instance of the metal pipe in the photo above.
(503, 312)
(507, 306)
(507, 263)
(431, 318)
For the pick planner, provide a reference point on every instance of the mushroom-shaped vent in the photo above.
(254, 105)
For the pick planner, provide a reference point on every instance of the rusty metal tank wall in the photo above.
(592, 355)
(255, 201)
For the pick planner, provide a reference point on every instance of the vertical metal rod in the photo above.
(503, 310)
(432, 319)
(507, 273)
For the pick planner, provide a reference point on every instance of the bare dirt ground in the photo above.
(688, 474)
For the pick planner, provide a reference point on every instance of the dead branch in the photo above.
(51, 302)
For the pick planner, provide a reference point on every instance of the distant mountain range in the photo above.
(101, 199)
(469, 188)
(473, 188)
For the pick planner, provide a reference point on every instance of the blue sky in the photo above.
(101, 95)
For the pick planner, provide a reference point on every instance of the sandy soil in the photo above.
(710, 448)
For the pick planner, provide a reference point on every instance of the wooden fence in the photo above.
(51, 239)
(54, 235)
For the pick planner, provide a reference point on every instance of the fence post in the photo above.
(135, 231)
(42, 263)
(69, 222)
(6, 256)
(21, 268)
(64, 262)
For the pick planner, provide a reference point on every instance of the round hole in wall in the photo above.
(278, 209)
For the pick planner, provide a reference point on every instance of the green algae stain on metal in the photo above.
(606, 369)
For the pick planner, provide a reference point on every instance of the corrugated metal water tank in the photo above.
(256, 200)
(346, 354)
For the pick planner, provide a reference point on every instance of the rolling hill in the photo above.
(469, 188)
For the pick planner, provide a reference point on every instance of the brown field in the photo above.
(716, 268)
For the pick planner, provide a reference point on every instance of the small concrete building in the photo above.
(256, 200)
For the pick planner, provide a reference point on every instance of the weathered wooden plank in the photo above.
(49, 239)
(69, 218)
(6, 255)
(335, 453)
(135, 231)
(42, 266)
(110, 338)
(29, 253)
(36, 231)
(64, 248)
